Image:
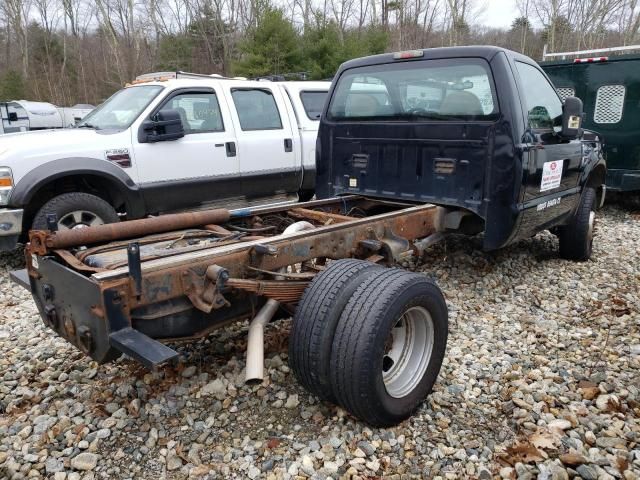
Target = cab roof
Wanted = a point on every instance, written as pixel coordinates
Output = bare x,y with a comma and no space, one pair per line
482,51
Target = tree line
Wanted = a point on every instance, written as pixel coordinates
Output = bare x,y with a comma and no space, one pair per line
81,51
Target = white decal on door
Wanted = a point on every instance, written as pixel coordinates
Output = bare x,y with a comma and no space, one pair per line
551,175
549,203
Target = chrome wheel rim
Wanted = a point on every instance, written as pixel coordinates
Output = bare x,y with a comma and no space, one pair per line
79,219
408,352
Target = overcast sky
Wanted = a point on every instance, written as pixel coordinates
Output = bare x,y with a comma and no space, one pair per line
497,13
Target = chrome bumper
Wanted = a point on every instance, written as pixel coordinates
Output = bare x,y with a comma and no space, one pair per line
10,228
10,221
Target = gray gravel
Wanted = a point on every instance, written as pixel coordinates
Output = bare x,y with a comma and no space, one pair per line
541,380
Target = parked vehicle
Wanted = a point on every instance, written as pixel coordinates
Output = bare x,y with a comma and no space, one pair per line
24,116
478,131
487,143
163,144
607,81
71,116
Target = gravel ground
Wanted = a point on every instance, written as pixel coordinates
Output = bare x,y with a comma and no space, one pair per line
541,380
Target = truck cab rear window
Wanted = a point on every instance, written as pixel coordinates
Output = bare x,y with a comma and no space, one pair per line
446,90
313,103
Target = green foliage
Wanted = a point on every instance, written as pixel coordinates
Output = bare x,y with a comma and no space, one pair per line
175,52
369,41
520,23
324,50
12,86
562,27
45,48
271,47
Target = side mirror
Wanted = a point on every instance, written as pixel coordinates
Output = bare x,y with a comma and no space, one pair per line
572,113
13,116
164,126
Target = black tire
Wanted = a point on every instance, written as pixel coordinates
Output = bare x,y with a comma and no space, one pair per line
361,340
576,238
65,204
315,321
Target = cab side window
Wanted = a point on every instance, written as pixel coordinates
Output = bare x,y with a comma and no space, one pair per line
257,109
543,104
200,112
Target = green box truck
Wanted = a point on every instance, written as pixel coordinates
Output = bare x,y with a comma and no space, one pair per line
608,82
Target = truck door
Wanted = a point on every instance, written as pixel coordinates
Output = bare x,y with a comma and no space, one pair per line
200,167
552,164
266,147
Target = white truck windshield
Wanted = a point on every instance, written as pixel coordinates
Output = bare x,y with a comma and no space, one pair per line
121,109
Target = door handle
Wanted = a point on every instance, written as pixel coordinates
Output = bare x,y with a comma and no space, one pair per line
231,149
288,145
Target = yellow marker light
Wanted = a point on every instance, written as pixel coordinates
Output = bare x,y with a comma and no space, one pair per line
6,182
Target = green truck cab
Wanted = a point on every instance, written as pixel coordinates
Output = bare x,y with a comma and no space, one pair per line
608,82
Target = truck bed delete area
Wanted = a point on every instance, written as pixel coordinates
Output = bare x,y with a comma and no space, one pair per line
181,276
541,372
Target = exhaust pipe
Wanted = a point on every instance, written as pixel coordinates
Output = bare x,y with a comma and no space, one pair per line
254,372
255,342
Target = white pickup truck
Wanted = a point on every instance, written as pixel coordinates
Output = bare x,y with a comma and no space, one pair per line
168,142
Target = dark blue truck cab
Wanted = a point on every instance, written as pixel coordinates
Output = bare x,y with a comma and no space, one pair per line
480,131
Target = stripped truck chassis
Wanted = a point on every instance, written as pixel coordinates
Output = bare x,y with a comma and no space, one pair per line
137,307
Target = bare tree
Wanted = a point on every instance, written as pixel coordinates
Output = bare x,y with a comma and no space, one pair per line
590,20
629,21
524,9
458,11
17,14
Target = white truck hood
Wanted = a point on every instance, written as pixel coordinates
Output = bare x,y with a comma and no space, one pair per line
26,150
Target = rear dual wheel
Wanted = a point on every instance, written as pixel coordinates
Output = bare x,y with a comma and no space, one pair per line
316,319
387,345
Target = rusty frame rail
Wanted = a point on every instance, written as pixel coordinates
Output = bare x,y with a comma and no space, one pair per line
200,290
387,235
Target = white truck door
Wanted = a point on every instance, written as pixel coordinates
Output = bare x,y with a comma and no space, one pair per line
200,167
268,146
